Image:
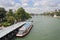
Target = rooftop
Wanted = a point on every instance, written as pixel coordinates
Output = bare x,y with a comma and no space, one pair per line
5,31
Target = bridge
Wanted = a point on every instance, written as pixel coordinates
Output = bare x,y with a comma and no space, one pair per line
9,32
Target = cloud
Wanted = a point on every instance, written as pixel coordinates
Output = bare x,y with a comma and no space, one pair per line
15,7
24,1
47,5
24,4
44,3
32,6
36,4
7,3
33,10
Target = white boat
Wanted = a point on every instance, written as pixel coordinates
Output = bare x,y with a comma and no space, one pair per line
55,16
24,30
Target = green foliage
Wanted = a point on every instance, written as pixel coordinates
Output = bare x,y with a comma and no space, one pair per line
57,12
21,14
20,11
10,16
27,16
2,14
0,24
52,14
5,24
17,17
10,19
10,13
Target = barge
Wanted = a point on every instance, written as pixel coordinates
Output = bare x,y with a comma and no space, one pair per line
25,29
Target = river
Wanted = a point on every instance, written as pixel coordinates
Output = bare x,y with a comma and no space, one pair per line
45,28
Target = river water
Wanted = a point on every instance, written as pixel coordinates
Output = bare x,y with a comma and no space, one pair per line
45,28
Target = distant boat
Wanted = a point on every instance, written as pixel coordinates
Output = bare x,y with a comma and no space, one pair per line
24,30
55,16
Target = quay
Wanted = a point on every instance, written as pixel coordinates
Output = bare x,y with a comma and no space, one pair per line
11,31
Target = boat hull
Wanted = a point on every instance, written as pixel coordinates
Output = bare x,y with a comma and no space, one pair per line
28,30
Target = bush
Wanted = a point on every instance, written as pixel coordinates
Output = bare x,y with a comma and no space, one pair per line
0,24
5,24
10,19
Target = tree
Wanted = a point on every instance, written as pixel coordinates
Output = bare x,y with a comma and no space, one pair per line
11,19
10,13
2,14
10,16
21,12
58,13
27,15
17,17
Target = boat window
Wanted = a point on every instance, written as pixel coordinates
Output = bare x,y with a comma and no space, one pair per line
20,31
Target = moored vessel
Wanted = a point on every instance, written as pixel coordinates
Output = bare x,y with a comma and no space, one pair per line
25,29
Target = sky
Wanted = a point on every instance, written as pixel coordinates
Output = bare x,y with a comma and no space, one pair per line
31,6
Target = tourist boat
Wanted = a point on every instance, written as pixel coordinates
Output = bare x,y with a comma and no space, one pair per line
56,16
25,29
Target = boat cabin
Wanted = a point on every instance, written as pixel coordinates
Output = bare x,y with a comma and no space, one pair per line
24,28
